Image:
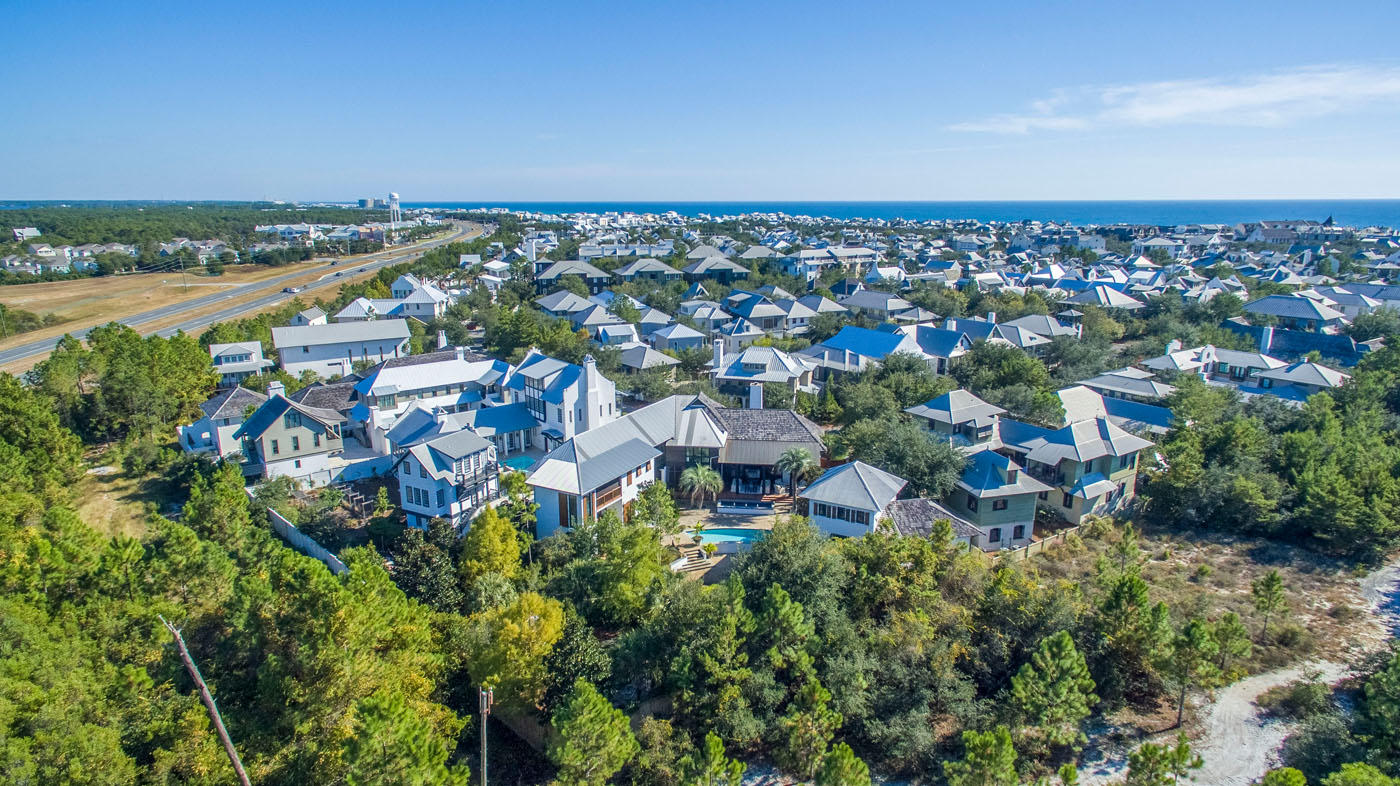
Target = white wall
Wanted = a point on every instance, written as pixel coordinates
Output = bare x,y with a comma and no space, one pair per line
332,359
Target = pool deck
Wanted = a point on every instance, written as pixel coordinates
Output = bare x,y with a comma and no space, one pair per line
711,570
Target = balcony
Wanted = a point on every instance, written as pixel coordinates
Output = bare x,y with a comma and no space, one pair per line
607,495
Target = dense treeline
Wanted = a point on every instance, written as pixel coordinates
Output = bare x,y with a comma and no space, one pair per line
154,223
1324,474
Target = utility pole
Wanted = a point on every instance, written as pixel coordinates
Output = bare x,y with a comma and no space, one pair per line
485,698
183,281
209,702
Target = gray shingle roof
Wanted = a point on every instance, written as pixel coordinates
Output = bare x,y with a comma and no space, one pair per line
855,485
916,517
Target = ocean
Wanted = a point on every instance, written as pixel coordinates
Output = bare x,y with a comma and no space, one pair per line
1349,212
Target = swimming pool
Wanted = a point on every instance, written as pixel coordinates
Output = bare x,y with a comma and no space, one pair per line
731,535
521,463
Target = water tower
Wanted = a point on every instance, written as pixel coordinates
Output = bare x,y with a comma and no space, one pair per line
395,214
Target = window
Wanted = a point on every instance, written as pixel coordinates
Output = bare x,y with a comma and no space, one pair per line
442,498
998,504
971,502
296,442
1068,501
274,447
1043,495
1126,461
316,440
995,535
422,470
305,350
1018,532
407,467
297,463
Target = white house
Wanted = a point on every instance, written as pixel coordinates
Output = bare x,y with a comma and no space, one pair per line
330,350
451,477
238,361
849,499
566,399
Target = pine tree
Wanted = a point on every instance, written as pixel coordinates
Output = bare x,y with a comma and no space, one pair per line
989,759
784,623
841,767
593,739
1191,660
1269,598
1232,641
1054,691
712,767
809,726
390,744
1161,765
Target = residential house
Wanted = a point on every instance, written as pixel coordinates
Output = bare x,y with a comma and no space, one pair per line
1132,384
717,268
735,374
1106,297
878,305
607,467
452,477
238,361
453,379
995,495
311,316
849,499
335,349
563,304
595,279
959,417
566,399
223,416
647,269
1092,464
1293,312
286,439
1297,381
676,337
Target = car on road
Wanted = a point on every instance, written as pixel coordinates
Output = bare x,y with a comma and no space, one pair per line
361,270
291,290
341,273
335,262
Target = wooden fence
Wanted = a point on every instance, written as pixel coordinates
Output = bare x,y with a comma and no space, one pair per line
1034,547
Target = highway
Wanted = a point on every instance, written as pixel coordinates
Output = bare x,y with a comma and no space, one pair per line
240,300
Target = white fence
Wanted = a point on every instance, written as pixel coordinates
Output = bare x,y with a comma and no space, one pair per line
303,542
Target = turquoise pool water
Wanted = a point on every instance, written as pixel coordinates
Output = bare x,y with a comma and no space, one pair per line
731,535
521,463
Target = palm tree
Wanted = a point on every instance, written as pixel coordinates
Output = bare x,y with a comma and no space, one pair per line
701,481
798,464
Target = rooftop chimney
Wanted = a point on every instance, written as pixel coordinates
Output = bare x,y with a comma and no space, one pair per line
719,354
275,389
442,339
755,395
992,317
461,353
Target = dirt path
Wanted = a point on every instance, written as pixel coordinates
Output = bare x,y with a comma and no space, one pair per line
1237,743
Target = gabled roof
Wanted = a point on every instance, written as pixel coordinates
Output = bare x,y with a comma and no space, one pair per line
1307,373
864,342
1079,441
678,331
231,403
957,406
1105,297
855,485
570,267
340,333
937,342
1292,307
714,264
985,477
641,356
645,265
562,301
275,407
876,300
916,517
775,366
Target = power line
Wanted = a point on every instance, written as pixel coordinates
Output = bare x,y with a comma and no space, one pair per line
208,701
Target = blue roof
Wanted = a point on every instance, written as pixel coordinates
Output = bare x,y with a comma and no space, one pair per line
981,473
864,342
510,417
1136,411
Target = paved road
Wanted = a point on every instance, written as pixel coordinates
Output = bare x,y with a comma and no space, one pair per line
240,300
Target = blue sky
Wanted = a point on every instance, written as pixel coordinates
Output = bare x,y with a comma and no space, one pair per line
658,101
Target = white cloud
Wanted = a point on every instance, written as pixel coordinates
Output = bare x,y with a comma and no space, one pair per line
1266,99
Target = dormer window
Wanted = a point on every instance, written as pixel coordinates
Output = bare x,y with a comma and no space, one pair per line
1011,476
